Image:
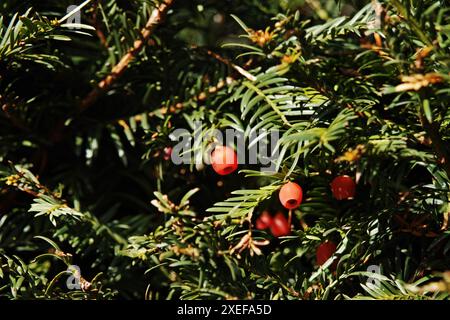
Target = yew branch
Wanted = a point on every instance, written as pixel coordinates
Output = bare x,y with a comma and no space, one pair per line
118,70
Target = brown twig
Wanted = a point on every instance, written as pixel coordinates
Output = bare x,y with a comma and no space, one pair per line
98,28
118,70
176,107
239,69
199,97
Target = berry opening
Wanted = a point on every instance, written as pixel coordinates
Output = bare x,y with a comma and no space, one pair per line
292,202
228,169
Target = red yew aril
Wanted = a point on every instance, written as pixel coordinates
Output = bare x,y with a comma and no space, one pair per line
280,225
343,187
291,195
324,252
264,221
224,160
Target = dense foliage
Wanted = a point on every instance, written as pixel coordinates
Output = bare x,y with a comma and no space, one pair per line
357,88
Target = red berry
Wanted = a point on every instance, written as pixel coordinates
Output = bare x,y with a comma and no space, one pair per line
167,153
264,221
280,225
291,195
343,187
224,160
324,252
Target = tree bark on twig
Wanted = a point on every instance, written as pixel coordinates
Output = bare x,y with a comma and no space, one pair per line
227,62
117,71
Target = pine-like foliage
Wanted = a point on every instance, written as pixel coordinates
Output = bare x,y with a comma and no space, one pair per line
89,108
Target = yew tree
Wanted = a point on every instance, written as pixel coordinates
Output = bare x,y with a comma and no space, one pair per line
351,201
